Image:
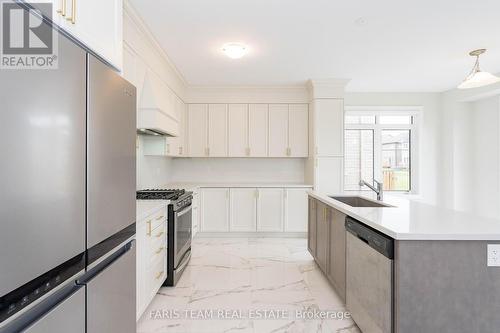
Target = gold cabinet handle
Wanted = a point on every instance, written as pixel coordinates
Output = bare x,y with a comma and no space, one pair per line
159,234
159,250
72,18
159,275
62,11
149,227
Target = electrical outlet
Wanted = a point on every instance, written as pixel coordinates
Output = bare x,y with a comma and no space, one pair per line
494,255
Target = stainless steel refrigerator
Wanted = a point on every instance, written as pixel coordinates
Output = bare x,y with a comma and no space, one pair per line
67,197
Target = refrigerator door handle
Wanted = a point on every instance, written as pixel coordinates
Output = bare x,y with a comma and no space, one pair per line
105,262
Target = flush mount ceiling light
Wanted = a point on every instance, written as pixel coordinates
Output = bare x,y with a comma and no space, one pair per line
477,78
235,50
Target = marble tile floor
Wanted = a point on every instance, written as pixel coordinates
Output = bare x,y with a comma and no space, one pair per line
248,285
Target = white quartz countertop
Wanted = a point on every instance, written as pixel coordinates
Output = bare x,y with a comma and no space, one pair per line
190,186
148,207
413,220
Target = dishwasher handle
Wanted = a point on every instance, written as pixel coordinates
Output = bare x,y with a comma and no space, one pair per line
373,238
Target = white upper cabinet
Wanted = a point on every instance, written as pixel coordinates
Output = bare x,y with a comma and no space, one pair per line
197,130
270,209
97,24
217,130
250,130
296,209
298,130
215,209
258,124
329,127
176,144
243,209
238,130
278,130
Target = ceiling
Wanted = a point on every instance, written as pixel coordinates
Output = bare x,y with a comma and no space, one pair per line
385,45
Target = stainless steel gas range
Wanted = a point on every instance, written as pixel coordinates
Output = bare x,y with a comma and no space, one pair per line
179,229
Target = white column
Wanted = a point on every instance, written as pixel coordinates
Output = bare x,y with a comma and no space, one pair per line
324,167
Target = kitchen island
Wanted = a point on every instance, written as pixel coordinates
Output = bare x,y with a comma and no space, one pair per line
437,278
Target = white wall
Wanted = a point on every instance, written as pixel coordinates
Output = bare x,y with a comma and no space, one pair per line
470,163
429,123
485,156
152,171
142,54
239,170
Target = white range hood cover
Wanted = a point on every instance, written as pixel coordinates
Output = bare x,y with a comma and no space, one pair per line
157,108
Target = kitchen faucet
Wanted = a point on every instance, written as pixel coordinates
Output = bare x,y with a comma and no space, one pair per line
378,188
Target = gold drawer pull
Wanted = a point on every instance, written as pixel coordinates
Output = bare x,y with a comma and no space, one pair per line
159,275
159,250
160,233
72,18
160,217
62,11
149,227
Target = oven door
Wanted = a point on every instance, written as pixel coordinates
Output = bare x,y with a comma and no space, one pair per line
182,233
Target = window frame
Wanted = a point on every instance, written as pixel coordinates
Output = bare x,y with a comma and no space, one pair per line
377,111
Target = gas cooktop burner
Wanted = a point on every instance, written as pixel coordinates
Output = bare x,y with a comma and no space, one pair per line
159,194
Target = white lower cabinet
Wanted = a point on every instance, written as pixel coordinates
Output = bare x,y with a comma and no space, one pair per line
270,214
151,259
296,210
243,209
215,209
251,209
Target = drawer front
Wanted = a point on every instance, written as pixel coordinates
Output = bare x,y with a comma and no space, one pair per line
157,246
158,219
154,221
156,274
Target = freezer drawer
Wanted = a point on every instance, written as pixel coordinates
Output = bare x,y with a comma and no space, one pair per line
111,152
111,296
68,316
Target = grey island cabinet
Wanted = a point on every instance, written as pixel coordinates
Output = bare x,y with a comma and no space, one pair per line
437,279
326,242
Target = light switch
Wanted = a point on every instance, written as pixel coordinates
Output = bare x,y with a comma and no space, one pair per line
494,255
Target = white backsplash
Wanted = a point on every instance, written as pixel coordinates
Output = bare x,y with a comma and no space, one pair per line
237,170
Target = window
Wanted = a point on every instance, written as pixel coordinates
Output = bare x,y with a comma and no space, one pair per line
396,160
379,145
358,157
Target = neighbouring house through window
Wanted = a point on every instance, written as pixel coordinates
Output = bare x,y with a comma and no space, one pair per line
380,144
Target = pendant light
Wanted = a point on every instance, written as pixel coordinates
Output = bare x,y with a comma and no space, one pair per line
477,78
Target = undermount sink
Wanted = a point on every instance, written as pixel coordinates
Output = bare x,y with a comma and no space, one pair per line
359,202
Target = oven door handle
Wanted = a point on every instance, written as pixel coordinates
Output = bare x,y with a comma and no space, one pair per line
184,211
184,261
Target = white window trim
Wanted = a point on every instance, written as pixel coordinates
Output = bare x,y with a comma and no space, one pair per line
414,111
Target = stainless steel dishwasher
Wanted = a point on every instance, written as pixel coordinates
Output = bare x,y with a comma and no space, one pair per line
369,277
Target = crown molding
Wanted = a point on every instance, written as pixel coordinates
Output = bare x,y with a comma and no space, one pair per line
248,94
327,88
139,22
